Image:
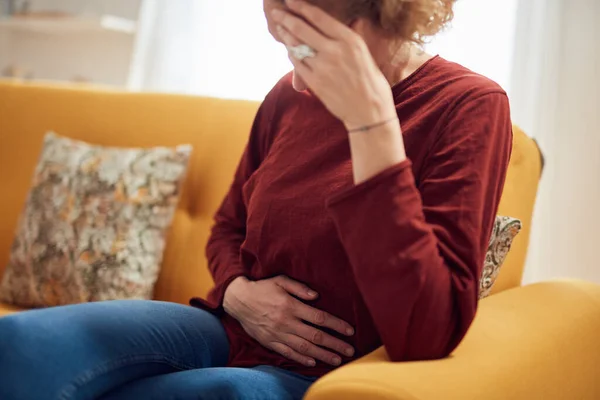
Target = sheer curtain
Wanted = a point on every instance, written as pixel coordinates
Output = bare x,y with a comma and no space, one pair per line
206,47
481,37
223,48
556,98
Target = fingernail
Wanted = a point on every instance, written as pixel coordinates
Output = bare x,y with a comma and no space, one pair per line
349,352
336,361
349,331
312,293
311,363
279,30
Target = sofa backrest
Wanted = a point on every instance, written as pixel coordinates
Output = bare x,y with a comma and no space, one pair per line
518,200
218,130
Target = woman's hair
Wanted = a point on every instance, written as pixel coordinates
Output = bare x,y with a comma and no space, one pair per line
407,20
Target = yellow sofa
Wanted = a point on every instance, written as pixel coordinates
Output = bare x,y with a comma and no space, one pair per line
536,342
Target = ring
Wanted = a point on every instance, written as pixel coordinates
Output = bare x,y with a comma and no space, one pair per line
302,51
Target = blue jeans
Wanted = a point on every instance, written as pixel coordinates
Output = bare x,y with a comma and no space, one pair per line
129,350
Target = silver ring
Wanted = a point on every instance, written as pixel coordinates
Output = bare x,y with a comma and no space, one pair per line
302,51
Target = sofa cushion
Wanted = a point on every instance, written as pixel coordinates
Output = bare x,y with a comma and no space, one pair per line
504,232
94,224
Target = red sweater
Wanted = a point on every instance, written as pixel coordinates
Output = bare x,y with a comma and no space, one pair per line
399,256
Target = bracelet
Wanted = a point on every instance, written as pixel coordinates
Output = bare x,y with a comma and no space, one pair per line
367,128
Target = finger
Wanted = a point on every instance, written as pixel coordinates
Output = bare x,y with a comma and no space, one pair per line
296,288
325,23
300,29
293,355
306,348
290,40
322,339
304,68
286,37
322,318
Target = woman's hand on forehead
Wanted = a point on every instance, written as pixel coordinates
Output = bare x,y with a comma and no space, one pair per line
340,69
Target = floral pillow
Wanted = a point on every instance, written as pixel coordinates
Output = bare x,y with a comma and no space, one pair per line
503,234
94,224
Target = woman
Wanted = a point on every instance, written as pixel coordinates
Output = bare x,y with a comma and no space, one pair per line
358,217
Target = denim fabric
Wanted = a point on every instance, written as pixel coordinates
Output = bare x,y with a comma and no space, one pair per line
129,350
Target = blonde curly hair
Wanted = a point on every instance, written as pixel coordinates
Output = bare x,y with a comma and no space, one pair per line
407,20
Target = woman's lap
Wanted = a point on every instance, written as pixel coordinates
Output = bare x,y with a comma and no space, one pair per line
85,351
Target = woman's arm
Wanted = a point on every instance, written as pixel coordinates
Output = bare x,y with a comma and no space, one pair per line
417,251
416,247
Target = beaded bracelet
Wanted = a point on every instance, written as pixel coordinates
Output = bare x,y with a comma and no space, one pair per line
367,128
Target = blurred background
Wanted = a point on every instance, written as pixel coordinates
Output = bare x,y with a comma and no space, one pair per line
545,53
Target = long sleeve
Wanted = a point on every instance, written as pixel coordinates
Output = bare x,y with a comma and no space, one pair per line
229,230
416,241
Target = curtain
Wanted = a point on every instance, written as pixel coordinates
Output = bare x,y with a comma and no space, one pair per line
556,98
206,47
223,49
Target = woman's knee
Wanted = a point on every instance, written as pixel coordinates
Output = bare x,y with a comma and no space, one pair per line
20,355
29,343
50,349
8,333
16,335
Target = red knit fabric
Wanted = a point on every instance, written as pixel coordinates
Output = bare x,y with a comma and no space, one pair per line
398,256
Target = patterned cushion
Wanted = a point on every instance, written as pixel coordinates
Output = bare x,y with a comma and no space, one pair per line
505,230
94,224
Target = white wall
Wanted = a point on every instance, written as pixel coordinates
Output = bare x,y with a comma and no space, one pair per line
121,8
102,57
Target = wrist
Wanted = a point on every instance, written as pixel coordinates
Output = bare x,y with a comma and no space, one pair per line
374,113
376,150
233,291
377,105
374,126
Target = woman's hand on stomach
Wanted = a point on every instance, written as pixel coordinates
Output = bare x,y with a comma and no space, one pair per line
269,313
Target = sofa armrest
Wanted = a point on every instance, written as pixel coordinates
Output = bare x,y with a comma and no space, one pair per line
535,342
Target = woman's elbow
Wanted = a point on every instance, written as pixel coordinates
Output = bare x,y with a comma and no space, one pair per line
422,353
434,342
